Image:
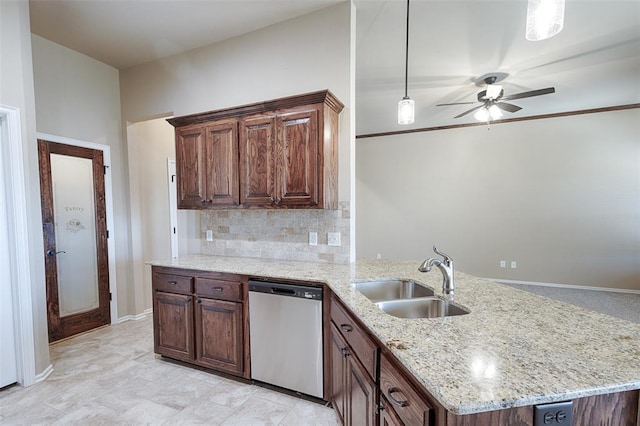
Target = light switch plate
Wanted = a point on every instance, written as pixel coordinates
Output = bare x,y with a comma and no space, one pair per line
333,238
313,238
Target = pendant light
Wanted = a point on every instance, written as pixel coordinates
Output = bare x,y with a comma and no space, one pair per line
545,18
406,107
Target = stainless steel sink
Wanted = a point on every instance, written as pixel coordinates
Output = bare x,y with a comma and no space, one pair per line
424,307
381,290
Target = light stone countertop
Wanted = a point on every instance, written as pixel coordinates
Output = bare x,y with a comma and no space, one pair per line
514,348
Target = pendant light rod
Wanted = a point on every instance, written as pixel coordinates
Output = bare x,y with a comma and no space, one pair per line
406,55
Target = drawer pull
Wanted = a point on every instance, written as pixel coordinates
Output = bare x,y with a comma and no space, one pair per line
172,282
346,328
217,288
397,402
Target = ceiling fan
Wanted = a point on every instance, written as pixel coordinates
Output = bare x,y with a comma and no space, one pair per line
492,101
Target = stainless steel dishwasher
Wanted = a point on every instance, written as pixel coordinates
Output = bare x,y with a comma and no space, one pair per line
285,323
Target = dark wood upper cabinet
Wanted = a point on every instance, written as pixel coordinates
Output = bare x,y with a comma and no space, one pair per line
207,165
281,153
257,160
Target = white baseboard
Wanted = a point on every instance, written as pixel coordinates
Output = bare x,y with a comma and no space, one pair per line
567,286
43,376
133,317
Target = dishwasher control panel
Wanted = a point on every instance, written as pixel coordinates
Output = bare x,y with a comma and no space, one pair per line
286,289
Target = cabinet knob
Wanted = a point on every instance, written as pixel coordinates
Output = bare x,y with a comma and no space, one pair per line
398,402
346,328
345,351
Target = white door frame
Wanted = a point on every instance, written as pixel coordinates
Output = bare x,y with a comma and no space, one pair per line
17,214
173,206
108,195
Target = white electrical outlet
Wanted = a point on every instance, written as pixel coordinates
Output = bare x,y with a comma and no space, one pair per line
513,264
503,263
333,238
313,238
209,235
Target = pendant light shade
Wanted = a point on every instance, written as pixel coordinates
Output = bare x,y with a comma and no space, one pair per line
406,111
406,107
545,18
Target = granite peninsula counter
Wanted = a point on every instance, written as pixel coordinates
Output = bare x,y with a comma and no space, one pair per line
514,348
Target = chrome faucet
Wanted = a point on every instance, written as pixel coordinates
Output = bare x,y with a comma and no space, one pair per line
446,267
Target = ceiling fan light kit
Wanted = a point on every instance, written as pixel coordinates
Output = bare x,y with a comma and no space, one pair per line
406,107
492,101
545,18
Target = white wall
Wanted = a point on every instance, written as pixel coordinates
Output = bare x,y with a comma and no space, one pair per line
78,97
560,196
16,90
150,144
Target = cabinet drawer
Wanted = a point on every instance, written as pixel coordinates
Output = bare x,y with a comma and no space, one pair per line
172,283
363,347
219,289
405,400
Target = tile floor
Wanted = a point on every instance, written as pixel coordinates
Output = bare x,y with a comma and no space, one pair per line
112,377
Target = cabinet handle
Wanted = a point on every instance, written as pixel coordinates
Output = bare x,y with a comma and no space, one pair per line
217,288
397,402
345,352
198,301
172,282
346,328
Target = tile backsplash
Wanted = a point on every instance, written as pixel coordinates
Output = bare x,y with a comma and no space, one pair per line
277,234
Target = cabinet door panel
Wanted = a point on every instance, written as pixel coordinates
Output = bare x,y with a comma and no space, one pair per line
257,168
297,159
173,325
361,389
221,159
190,167
337,364
219,336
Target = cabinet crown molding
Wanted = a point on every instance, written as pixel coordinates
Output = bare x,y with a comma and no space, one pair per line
323,96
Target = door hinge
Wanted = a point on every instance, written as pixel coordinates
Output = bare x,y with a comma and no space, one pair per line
173,177
105,169
174,229
107,233
110,297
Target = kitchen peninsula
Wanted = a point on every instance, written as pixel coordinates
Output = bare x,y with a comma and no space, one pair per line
512,352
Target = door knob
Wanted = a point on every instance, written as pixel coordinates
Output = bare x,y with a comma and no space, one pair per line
50,252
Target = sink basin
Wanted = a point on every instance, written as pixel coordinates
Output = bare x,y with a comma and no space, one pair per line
391,289
424,307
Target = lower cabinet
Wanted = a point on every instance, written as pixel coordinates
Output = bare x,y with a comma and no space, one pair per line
388,416
173,325
199,317
353,390
403,400
219,336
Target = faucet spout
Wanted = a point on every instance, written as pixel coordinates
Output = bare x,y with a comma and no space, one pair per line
446,267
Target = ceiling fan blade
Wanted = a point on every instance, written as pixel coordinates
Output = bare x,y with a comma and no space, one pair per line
470,111
508,107
538,92
457,103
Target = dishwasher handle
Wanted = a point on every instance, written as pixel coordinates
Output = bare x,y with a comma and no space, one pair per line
283,291
286,289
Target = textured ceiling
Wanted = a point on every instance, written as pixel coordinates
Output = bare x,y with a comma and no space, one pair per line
594,62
